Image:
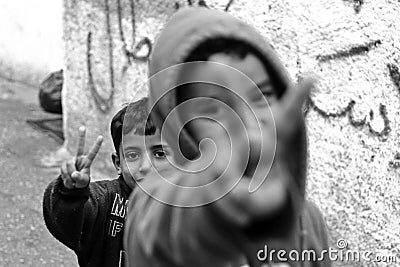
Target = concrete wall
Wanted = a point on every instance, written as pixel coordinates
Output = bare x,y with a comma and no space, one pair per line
30,39
352,116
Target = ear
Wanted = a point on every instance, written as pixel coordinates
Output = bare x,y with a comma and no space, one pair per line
117,162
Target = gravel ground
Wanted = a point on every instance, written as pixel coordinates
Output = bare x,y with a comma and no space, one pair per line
24,239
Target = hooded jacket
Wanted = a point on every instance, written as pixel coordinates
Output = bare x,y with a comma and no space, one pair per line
223,233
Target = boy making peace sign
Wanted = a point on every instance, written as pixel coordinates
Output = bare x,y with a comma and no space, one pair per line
88,217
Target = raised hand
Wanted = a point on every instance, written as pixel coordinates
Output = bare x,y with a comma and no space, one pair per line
267,190
75,172
291,152
288,114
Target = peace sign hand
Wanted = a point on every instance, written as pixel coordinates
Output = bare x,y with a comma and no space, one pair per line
75,172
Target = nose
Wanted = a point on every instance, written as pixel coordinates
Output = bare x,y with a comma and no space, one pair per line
145,165
253,127
249,119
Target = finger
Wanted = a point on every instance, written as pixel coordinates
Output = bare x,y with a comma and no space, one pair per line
70,165
93,151
289,114
67,180
81,180
81,141
231,207
80,163
294,99
68,183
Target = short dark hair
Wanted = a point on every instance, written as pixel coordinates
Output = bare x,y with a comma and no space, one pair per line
229,46
132,117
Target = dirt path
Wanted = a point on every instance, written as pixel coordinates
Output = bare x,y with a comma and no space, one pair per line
24,239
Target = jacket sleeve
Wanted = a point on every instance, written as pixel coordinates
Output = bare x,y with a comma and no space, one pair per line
70,215
215,234
317,231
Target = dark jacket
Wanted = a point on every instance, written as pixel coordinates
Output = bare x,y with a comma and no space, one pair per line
225,232
90,221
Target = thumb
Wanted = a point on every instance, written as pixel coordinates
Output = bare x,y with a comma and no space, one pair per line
290,114
295,97
81,179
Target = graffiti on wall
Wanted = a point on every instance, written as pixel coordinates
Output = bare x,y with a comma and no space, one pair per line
349,109
104,104
356,4
134,53
203,3
394,72
131,54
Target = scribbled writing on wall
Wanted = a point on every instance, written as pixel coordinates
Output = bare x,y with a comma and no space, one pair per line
105,103
190,3
145,42
353,51
134,52
395,163
356,4
394,73
349,109
203,3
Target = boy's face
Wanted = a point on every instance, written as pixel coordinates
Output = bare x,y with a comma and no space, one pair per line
236,97
143,156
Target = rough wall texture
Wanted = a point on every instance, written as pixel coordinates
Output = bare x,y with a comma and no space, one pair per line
352,115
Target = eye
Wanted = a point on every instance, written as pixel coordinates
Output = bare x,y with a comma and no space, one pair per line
160,154
271,97
268,91
268,94
132,155
257,97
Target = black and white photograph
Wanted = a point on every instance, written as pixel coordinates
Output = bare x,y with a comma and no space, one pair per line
200,133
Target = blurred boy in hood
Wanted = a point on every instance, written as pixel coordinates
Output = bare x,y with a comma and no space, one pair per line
234,120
